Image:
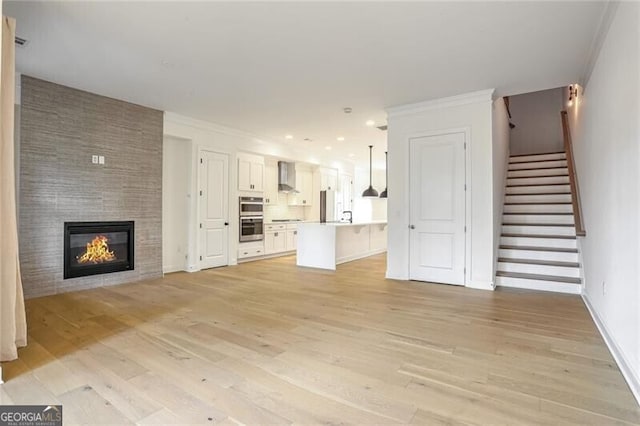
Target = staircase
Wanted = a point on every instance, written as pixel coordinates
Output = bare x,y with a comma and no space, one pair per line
538,247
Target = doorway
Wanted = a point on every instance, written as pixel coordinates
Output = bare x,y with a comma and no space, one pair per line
437,208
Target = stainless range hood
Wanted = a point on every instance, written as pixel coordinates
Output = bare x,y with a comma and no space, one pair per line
286,177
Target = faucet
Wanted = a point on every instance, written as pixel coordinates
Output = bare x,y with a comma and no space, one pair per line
350,215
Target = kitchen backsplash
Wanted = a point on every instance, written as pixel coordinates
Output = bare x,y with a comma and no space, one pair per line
283,211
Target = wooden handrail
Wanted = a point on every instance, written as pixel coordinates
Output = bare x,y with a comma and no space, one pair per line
573,177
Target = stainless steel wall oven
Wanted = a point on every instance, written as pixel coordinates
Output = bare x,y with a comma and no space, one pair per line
251,219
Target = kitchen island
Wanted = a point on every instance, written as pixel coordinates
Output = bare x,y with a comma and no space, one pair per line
325,245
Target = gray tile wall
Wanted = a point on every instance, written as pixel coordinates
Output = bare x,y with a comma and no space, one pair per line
61,128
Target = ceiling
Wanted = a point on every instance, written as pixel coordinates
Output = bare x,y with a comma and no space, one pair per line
273,69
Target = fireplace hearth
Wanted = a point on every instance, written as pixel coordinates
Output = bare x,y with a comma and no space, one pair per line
92,248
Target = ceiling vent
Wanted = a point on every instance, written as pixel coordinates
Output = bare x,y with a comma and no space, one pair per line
383,128
21,42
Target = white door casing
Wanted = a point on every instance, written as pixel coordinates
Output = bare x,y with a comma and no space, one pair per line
437,211
214,209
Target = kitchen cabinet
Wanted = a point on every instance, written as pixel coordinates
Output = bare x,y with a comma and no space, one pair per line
328,179
304,186
279,238
270,184
292,239
251,249
250,173
275,239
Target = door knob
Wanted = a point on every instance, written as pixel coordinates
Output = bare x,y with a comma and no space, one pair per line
226,224
412,227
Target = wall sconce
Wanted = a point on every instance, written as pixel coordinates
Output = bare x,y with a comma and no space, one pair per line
573,93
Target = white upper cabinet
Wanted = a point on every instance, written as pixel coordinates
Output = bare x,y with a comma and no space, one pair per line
270,183
304,186
250,173
328,179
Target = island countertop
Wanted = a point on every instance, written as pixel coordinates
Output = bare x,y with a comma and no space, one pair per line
337,224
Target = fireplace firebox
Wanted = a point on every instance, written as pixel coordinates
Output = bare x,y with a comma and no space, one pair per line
92,248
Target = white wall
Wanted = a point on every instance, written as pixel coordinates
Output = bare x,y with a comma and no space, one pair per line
176,173
473,112
538,124
366,209
500,158
606,134
197,135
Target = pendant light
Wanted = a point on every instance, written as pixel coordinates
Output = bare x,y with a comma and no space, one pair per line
370,192
383,194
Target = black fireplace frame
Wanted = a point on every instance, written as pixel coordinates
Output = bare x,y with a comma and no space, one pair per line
71,228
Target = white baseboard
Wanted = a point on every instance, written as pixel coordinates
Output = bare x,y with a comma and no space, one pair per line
394,276
625,367
481,285
360,256
172,268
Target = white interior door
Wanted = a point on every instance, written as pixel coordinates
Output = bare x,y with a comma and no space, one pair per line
214,209
437,208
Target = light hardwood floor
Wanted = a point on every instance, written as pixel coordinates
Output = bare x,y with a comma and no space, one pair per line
268,343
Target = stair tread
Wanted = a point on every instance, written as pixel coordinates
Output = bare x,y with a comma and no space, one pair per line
531,155
536,177
537,168
537,184
539,262
534,203
529,194
537,161
553,237
538,224
540,213
538,248
539,277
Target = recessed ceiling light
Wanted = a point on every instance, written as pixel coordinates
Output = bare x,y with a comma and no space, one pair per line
370,123
328,148
307,140
288,137
340,138
352,155
347,110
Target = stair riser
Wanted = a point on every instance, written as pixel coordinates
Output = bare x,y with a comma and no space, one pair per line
556,287
538,180
538,165
538,157
537,189
539,255
537,172
537,218
557,271
544,230
532,198
538,242
538,208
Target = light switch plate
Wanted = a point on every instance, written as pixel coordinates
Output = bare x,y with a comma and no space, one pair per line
94,159
101,159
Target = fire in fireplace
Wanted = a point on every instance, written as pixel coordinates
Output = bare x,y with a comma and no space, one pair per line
92,248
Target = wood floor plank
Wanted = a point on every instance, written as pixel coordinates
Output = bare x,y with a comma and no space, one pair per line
267,342
84,406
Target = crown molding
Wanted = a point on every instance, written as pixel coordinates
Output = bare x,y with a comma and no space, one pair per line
608,14
448,102
174,118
